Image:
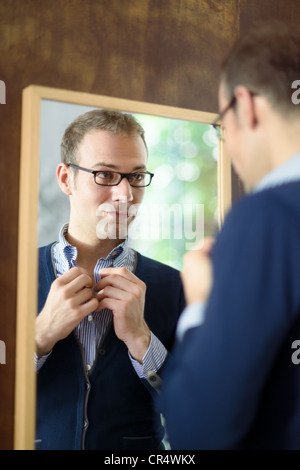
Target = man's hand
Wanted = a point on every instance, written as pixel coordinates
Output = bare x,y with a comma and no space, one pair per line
197,273
70,299
122,292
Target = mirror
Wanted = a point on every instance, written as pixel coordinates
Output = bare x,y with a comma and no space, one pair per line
176,138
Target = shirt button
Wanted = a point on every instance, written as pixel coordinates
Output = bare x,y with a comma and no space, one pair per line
90,318
88,367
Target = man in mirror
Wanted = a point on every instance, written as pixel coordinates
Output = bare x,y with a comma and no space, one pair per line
107,315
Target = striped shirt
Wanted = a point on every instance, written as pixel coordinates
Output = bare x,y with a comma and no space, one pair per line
92,328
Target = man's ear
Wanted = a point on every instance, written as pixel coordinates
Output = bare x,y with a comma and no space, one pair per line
64,178
246,106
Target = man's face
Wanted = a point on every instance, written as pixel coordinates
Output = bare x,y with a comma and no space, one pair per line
96,208
244,136
230,129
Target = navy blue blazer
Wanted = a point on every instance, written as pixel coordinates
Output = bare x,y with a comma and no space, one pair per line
234,381
112,408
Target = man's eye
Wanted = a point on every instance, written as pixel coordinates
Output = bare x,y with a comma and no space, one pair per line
105,175
137,177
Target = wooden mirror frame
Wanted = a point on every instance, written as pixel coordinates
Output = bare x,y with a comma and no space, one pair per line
27,280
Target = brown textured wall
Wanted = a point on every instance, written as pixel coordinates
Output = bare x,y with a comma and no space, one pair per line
166,52
255,12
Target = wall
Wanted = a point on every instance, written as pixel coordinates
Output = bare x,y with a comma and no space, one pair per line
166,52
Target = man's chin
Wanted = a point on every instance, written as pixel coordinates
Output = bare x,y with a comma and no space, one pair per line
116,229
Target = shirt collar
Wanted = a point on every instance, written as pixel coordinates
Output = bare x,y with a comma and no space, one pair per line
285,173
69,253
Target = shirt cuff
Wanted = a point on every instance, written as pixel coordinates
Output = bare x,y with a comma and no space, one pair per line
192,316
152,360
40,361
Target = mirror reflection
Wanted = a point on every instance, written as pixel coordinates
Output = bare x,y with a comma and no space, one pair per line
186,200
107,309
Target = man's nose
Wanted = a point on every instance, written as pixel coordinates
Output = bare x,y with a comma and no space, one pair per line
123,190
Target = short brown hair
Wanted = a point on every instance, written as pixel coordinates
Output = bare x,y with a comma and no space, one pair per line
115,122
267,61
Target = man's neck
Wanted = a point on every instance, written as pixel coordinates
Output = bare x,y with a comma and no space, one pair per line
283,137
88,253
280,141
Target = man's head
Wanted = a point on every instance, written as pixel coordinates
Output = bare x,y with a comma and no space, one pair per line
256,83
104,146
266,61
114,122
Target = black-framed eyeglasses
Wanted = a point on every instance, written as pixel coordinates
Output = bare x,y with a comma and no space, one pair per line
216,124
230,105
137,179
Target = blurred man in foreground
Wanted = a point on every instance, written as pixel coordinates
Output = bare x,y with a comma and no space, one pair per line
234,381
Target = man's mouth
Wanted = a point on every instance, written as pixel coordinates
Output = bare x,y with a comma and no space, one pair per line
120,212
118,215
112,212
